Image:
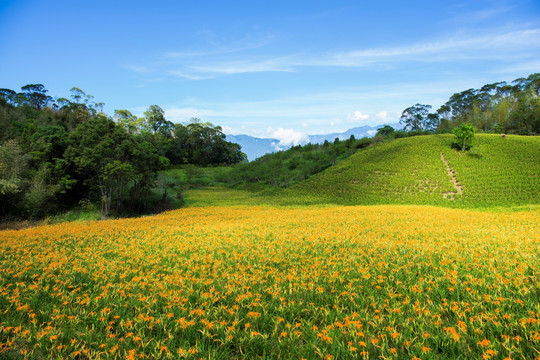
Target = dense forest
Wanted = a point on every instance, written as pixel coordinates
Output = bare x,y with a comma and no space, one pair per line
499,107
59,153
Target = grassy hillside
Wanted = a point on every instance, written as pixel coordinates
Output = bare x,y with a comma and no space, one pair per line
422,170
285,168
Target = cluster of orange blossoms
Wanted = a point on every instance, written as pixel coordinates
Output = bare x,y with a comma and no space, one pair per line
398,282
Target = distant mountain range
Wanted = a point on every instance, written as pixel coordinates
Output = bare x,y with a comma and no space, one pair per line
255,147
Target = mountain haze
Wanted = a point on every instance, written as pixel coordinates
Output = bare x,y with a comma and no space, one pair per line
255,147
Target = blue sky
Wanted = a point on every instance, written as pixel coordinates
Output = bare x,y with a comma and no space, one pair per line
272,69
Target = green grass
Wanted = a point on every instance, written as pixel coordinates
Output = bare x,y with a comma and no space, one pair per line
499,172
247,194
496,172
191,176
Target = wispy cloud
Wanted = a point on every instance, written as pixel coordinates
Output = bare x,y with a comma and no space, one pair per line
280,64
477,16
220,50
517,46
189,76
496,46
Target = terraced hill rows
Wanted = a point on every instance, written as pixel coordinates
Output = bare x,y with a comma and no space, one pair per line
427,170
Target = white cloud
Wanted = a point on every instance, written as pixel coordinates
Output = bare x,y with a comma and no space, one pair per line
276,146
468,17
227,130
357,116
371,132
189,76
219,46
382,116
287,137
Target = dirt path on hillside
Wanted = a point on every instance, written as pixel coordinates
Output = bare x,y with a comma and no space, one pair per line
452,174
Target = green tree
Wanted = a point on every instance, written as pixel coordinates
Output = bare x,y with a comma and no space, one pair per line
155,119
116,165
130,122
202,144
499,115
36,95
464,135
416,118
460,104
386,131
77,94
525,115
8,96
14,165
100,152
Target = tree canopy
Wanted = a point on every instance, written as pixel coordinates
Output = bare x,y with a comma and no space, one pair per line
498,107
55,153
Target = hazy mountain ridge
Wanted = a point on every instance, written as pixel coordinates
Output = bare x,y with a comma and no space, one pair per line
255,147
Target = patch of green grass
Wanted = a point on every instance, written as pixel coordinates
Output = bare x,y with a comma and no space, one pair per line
191,176
73,215
246,194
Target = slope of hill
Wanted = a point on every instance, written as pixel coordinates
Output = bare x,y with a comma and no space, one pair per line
427,170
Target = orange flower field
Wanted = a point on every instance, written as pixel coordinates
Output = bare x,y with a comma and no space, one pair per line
379,282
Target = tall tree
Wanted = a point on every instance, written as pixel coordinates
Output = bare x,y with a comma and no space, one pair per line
8,96
36,95
13,179
416,118
130,122
100,152
77,95
155,118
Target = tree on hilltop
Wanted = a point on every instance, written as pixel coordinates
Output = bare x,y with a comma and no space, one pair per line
464,134
417,118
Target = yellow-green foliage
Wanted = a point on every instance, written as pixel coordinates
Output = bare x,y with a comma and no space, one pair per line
496,172
392,282
499,171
